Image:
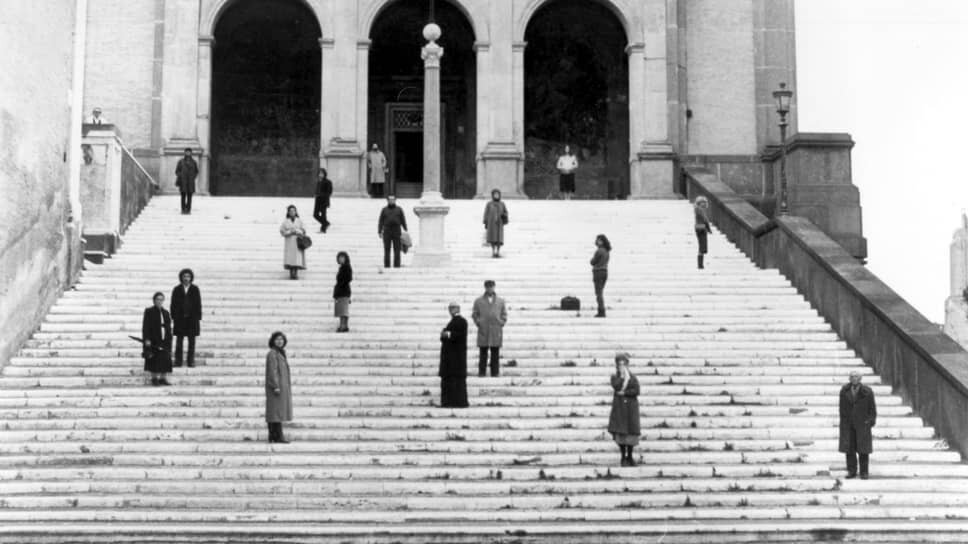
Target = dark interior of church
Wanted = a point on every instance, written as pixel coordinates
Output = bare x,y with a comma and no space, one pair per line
576,92
265,99
396,96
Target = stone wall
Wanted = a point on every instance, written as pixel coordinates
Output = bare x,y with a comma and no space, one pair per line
926,367
38,243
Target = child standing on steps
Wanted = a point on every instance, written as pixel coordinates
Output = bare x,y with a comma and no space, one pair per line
701,209
623,422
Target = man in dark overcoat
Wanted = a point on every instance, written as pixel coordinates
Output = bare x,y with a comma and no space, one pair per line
858,415
186,312
453,360
185,173
324,190
392,220
490,314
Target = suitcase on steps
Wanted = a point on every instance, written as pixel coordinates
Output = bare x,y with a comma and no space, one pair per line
570,303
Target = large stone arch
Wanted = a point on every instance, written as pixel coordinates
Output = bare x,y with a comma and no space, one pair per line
473,10
623,10
212,10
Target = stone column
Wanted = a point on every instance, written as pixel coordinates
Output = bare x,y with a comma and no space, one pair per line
431,209
204,116
339,150
179,107
956,307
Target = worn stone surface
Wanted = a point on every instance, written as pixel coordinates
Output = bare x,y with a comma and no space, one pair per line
36,243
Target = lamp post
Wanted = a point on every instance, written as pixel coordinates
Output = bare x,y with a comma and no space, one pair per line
782,97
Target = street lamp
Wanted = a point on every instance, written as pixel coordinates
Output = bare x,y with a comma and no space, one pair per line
782,97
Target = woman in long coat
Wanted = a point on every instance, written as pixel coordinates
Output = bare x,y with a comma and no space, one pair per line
453,360
342,291
623,422
294,259
278,388
495,217
156,338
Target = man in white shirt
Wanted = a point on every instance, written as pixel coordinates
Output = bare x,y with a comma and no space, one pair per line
567,164
95,118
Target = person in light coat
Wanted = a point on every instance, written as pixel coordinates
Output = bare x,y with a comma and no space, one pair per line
495,217
623,421
293,258
858,415
278,388
490,314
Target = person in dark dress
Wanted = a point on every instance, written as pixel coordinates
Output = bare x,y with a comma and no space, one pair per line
324,190
453,360
392,220
342,291
278,388
185,173
701,208
186,312
623,422
599,264
495,217
858,415
156,339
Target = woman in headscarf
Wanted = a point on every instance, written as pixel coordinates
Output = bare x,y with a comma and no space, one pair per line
701,208
495,217
278,388
623,422
342,292
294,259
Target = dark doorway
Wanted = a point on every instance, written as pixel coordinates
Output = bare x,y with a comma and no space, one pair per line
265,99
395,116
576,93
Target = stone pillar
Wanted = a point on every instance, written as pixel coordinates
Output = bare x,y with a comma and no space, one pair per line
432,210
100,188
956,307
179,107
339,150
204,117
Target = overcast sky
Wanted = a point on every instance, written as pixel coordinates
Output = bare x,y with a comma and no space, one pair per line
893,74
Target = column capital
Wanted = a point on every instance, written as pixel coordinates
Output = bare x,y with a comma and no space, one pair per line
327,43
431,54
482,47
636,48
206,40
518,47
364,44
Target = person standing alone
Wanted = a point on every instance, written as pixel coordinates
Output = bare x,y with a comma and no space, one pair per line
701,209
566,165
490,314
324,190
599,262
495,217
376,163
392,220
186,312
858,415
185,173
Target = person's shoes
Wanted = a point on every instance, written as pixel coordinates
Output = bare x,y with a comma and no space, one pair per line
281,439
481,375
864,476
191,365
322,229
625,462
177,364
154,381
631,462
600,314
851,475
163,381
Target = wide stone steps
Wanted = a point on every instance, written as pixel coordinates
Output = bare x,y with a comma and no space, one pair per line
739,380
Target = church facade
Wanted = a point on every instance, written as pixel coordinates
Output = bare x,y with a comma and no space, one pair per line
266,90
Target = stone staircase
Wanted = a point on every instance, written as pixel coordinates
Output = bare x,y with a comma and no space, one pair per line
739,395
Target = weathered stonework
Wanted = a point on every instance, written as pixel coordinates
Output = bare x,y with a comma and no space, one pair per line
39,241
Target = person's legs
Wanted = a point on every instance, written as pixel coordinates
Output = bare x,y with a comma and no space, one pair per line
386,251
188,203
851,465
319,214
182,199
495,361
701,238
482,362
631,458
280,438
851,452
864,465
396,252
178,350
599,277
191,351
272,432
624,451
325,220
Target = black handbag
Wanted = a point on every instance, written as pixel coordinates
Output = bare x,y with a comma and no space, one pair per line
570,303
303,242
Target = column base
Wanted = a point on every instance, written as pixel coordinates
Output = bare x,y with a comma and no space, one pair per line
500,167
432,211
653,174
343,161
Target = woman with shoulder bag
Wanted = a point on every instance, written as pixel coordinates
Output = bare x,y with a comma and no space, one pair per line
294,256
342,292
495,217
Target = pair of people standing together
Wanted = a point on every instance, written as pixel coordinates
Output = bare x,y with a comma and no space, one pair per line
157,329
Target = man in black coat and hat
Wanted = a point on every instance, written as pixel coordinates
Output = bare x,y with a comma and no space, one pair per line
185,173
858,415
453,360
186,312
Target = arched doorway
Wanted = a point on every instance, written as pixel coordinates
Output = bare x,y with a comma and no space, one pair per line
265,99
576,92
395,114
